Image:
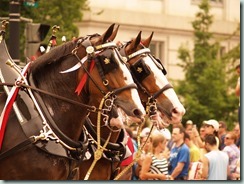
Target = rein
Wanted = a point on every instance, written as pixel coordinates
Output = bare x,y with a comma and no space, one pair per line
90,108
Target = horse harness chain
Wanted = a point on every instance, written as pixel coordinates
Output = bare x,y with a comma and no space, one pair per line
47,133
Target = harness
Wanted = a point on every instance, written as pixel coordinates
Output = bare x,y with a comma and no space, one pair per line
42,130
101,147
139,72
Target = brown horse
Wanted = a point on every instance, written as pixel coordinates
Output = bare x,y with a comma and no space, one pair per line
158,95
42,138
161,103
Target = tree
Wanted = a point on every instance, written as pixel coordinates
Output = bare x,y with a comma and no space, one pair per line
52,12
206,89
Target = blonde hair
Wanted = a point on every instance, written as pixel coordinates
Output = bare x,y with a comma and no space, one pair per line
156,139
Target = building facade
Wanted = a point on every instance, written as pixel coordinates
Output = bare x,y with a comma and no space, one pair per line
170,20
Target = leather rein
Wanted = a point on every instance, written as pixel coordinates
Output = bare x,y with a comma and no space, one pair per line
23,84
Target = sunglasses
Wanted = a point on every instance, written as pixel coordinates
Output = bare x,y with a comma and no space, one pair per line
227,138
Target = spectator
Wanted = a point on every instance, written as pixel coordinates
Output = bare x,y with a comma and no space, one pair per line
237,132
233,152
221,134
215,162
194,150
236,174
155,165
202,132
238,90
179,155
194,158
189,127
211,127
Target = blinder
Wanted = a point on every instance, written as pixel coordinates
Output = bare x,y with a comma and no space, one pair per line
108,60
140,70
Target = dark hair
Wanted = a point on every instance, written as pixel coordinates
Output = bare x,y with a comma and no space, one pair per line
210,139
187,136
223,124
181,127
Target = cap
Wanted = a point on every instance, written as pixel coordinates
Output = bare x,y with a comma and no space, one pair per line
189,122
166,133
212,122
145,132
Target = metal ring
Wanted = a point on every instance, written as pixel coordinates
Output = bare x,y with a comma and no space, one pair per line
105,82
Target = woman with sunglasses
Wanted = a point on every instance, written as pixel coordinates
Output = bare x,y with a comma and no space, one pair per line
233,152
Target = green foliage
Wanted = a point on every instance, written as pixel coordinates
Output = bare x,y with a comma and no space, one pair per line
52,12
207,85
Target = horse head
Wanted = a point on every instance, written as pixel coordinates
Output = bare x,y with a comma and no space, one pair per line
115,78
162,103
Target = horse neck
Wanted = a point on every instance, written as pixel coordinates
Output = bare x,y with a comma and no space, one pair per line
67,116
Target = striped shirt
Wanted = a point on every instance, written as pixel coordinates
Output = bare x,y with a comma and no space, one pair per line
159,166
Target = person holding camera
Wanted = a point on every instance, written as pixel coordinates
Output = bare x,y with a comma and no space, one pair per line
179,155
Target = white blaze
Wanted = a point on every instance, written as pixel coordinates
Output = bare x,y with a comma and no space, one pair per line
134,92
161,81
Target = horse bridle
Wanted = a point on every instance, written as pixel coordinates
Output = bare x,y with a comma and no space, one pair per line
107,102
92,53
151,104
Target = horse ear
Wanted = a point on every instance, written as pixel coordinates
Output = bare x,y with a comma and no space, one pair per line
105,36
112,37
147,42
135,42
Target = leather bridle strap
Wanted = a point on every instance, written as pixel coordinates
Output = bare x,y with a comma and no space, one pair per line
133,85
91,108
167,86
17,148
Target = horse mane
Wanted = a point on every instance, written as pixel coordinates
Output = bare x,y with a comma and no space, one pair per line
54,56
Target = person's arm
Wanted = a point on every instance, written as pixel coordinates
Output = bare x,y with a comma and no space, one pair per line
145,174
196,138
177,169
205,167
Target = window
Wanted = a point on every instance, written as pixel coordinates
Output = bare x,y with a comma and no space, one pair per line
157,49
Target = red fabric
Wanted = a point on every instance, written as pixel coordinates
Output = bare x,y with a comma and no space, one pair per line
128,160
8,107
54,42
83,79
6,115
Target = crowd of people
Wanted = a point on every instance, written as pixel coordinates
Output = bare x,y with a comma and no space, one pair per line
210,152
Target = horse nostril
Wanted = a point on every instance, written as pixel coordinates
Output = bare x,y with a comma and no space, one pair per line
180,111
137,113
174,111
